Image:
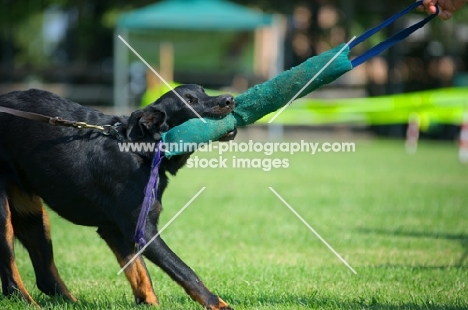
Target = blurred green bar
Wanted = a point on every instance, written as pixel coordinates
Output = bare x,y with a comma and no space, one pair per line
446,106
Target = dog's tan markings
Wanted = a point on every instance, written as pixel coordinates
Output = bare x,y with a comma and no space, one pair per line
140,282
158,207
23,202
61,287
37,241
15,276
222,305
135,272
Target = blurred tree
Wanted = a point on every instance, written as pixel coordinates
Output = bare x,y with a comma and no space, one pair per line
89,36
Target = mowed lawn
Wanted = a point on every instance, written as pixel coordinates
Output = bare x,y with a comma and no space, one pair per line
401,221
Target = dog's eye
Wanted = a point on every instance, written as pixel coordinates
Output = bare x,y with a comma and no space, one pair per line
191,99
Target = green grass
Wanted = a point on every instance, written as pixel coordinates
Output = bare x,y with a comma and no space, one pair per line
400,221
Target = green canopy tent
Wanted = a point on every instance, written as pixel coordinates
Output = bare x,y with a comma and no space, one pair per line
216,24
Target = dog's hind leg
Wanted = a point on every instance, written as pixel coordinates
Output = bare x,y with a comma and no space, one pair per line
31,226
136,272
11,280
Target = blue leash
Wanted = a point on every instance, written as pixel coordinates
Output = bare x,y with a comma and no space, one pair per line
399,36
151,194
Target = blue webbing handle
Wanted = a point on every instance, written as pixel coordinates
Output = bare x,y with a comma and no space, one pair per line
399,36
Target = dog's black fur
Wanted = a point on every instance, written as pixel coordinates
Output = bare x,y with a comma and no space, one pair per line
82,175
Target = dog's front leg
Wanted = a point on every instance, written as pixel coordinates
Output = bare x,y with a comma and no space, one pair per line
136,272
160,254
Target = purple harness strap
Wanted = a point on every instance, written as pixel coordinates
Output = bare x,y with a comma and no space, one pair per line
151,192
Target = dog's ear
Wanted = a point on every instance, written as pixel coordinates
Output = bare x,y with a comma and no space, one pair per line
149,122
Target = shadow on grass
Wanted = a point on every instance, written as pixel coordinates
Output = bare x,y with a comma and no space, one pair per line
462,238
314,301
283,301
93,302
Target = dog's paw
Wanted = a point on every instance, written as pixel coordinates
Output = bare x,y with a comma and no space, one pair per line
151,300
222,305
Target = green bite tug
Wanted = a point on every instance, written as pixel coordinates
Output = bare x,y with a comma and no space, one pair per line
265,98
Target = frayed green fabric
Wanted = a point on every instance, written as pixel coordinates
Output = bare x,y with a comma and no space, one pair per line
263,99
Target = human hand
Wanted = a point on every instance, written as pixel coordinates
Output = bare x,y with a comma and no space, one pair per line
446,7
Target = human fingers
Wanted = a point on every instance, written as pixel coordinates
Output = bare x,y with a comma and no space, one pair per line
444,14
429,6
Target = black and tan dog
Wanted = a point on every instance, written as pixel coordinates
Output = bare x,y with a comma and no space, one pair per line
82,175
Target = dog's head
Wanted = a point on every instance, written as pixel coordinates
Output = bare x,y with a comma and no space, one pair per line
173,109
